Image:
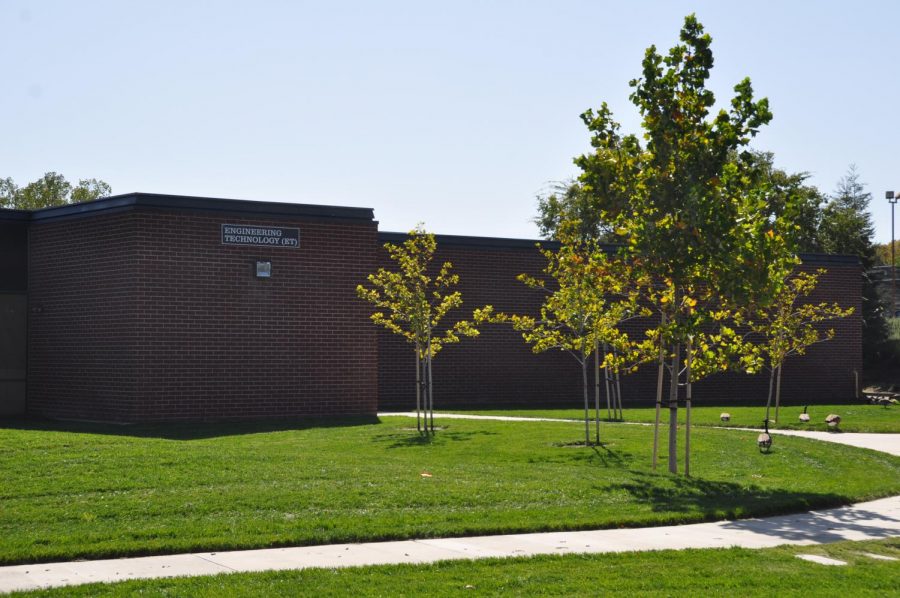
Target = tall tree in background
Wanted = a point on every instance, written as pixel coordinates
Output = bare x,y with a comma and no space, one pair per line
790,198
409,302
685,205
50,190
569,202
847,229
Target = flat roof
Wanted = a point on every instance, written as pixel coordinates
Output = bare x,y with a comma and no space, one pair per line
7,215
186,203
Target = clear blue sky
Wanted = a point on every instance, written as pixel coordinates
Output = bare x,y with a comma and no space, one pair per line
452,113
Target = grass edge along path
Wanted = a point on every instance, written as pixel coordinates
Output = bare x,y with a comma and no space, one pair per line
729,571
855,417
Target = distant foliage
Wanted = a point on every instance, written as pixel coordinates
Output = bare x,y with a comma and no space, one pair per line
883,254
50,190
569,202
847,228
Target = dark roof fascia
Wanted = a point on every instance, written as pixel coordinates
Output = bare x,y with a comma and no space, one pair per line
503,243
481,242
824,259
209,205
7,215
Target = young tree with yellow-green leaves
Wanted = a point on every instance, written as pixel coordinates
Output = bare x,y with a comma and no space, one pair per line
587,296
788,326
409,302
689,213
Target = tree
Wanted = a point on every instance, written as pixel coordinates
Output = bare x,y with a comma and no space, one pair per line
847,229
788,327
883,254
569,202
50,190
411,303
789,197
686,204
588,296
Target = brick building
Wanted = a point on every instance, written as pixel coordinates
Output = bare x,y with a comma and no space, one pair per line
148,307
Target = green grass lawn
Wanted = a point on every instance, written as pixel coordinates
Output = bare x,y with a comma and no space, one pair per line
718,572
858,417
88,491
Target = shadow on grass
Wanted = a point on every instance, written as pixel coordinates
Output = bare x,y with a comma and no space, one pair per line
717,499
186,430
576,452
410,438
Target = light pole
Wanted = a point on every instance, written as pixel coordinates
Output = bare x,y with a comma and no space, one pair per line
889,195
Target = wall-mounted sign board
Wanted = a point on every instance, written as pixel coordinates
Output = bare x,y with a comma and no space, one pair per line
260,236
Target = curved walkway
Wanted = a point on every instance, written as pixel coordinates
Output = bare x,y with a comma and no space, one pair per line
864,521
885,443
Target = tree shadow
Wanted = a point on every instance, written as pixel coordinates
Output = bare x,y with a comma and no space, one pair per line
717,499
576,452
411,438
822,526
607,457
187,430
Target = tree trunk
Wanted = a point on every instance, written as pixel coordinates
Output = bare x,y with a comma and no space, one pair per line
430,388
618,382
619,396
659,386
673,410
687,407
609,403
769,400
587,416
777,393
418,388
597,388
611,412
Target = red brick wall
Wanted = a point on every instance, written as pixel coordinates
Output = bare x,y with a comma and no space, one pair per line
149,317
82,329
498,369
143,315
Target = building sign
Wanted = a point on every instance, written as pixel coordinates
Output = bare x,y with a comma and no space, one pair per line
260,236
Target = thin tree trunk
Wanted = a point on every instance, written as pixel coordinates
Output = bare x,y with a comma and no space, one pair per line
777,393
609,403
617,378
769,400
587,416
610,396
673,410
659,386
619,396
597,388
687,406
430,388
418,388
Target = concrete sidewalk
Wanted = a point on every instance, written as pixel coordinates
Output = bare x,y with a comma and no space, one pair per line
863,521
